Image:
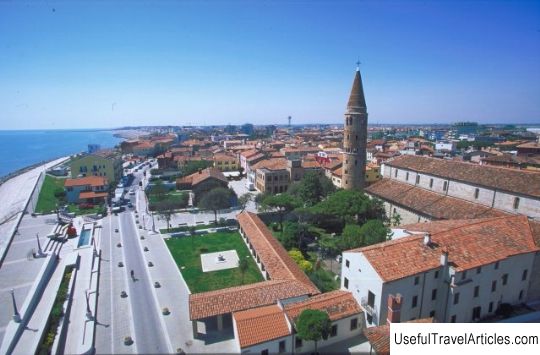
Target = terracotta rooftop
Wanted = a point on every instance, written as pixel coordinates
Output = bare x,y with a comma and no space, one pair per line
92,194
526,183
271,164
276,260
469,245
261,324
202,175
379,337
234,299
429,203
88,180
337,304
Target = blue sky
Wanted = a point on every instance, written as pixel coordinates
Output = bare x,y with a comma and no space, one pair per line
109,64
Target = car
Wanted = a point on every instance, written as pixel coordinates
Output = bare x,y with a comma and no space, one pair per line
132,192
130,205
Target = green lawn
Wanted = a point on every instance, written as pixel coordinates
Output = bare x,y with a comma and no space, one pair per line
46,200
171,195
186,252
80,211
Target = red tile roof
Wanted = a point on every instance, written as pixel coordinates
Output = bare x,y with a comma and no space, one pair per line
517,181
234,299
204,174
469,245
92,194
429,203
337,304
88,180
276,260
271,164
261,324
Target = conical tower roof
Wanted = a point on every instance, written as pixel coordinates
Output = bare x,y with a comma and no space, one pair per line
357,99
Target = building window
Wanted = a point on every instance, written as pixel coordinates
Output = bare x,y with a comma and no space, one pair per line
445,186
430,183
478,269
496,265
476,192
354,323
417,179
453,319
333,330
434,294
476,312
490,307
436,274
505,279
347,263
282,346
264,352
416,280
456,298
476,291
297,342
407,176
432,314
524,275
346,283
494,286
464,275
516,203
520,295
414,301
395,173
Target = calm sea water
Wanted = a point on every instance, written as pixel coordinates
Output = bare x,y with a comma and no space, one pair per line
19,149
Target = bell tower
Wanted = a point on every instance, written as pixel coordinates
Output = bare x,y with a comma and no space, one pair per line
355,137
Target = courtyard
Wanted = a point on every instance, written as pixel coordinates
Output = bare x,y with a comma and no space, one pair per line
186,252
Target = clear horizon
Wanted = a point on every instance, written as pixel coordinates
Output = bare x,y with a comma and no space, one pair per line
112,64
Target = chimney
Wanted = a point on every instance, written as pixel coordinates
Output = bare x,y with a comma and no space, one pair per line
427,239
394,308
444,257
200,171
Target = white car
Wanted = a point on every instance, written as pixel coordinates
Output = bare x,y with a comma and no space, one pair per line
132,192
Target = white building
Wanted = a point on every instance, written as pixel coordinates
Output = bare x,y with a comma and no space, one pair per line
455,271
421,188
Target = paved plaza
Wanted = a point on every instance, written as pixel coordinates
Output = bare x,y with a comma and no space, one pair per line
220,260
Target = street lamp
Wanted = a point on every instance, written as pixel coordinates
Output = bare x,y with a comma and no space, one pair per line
40,252
16,315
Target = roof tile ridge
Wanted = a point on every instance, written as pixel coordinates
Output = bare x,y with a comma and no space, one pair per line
250,214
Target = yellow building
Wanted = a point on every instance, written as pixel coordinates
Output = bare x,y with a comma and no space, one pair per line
225,162
373,173
104,163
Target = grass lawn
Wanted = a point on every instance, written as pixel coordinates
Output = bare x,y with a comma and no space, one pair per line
80,211
186,252
171,195
46,200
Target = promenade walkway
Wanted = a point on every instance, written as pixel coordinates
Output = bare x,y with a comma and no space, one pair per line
15,194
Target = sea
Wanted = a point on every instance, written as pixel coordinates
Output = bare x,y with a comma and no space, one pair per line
19,149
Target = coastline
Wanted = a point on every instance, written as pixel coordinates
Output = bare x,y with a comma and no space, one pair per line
5,178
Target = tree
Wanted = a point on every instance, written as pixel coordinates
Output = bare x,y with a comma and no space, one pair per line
241,171
313,325
158,190
165,209
216,199
351,237
243,267
283,203
243,200
312,188
374,231
395,220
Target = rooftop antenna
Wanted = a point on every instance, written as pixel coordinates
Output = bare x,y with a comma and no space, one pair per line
289,118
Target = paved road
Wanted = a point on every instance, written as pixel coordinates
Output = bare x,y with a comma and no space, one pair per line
149,334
